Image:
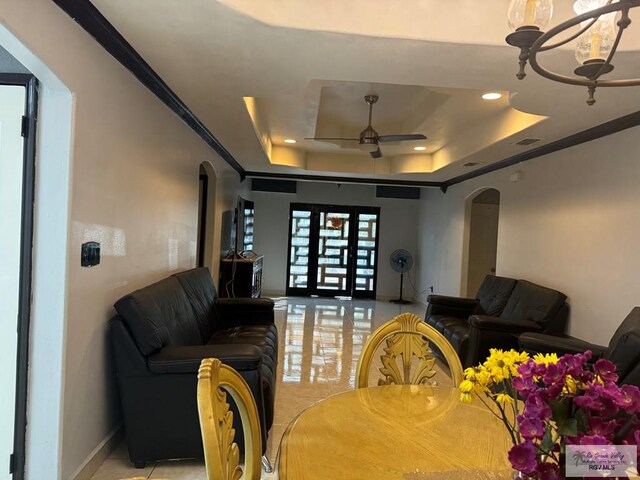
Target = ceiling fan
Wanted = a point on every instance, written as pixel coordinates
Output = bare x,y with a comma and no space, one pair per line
369,138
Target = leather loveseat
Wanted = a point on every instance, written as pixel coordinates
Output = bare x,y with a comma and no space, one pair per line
160,335
502,310
623,349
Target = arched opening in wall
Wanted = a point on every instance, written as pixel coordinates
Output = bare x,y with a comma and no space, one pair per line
481,239
206,215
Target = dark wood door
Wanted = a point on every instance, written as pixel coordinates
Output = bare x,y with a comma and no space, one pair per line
332,250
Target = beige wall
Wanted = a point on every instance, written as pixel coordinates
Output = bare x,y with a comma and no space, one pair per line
397,221
133,187
572,223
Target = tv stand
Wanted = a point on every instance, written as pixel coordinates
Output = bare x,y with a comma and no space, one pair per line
241,276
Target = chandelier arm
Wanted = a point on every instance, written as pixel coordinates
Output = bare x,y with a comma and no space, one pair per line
540,43
572,37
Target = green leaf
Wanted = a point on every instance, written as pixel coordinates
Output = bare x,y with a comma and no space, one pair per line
568,427
583,420
547,440
559,410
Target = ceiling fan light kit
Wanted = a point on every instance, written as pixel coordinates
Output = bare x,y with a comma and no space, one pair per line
369,139
598,35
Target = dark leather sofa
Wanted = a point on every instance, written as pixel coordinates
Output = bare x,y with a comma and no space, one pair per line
623,349
502,310
160,334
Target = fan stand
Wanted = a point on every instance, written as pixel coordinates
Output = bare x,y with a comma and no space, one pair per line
401,300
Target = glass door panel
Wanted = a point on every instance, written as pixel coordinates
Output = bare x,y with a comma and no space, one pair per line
334,253
366,253
299,249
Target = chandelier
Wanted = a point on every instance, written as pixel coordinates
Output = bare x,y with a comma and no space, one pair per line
600,25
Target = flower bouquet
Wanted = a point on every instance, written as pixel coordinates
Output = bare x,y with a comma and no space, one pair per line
547,403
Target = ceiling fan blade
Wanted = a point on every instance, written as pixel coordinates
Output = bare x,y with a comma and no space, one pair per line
400,138
331,138
376,154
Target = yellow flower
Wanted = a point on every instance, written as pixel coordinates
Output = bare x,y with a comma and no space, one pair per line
466,397
504,399
470,373
466,386
484,378
547,358
570,385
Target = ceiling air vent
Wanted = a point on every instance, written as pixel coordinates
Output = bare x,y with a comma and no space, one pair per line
470,164
527,141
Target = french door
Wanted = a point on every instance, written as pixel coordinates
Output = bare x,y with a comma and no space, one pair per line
333,250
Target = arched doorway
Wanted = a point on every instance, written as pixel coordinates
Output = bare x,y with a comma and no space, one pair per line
481,239
206,216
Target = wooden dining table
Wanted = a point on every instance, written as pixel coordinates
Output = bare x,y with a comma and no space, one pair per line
403,432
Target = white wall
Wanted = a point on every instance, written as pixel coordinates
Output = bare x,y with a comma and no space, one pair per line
133,186
572,223
12,103
398,229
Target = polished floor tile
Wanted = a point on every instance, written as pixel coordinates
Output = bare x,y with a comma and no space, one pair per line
320,341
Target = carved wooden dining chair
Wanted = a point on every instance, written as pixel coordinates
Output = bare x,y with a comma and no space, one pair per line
221,454
409,337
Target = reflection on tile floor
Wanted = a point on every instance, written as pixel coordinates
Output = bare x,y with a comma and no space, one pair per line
320,342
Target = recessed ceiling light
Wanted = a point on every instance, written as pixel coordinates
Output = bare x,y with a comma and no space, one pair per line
492,96
289,140
419,149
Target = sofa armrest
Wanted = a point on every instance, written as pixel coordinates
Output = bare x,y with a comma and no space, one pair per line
485,322
541,343
234,312
451,306
187,359
487,332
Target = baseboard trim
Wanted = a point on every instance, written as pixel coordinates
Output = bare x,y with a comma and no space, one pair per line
272,293
99,454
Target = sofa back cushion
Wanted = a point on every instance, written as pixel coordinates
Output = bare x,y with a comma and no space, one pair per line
493,294
529,301
160,315
624,348
198,286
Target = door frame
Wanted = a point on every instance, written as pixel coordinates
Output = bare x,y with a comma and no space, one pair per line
17,460
311,288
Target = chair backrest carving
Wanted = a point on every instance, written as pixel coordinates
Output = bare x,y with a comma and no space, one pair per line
221,453
406,336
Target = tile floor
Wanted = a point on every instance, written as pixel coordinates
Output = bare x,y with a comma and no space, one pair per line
320,342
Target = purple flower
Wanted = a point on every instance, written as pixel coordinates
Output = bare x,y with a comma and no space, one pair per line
536,407
531,428
628,398
523,457
554,374
590,400
523,386
597,426
526,369
605,370
548,471
592,440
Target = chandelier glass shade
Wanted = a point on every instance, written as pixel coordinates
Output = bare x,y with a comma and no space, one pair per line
597,30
